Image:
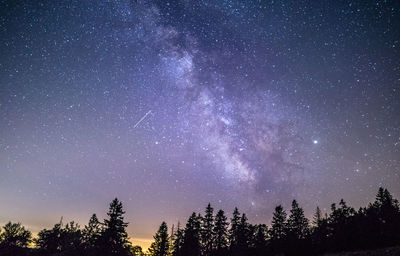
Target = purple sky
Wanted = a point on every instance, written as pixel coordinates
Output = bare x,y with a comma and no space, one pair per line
169,105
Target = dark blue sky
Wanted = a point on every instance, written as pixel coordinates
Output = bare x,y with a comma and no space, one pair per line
249,104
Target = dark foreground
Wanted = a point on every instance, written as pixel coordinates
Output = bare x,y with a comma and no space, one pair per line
390,251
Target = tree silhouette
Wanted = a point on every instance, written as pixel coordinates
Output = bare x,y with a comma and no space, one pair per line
317,218
14,239
244,237
319,231
114,238
297,231
14,234
191,241
207,231
278,229
221,233
278,224
260,240
67,240
297,223
178,241
383,218
48,241
91,235
160,246
234,230
341,226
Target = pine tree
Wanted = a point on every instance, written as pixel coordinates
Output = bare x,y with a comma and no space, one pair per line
385,201
178,241
297,223
260,239
233,232
221,233
207,232
278,224
244,236
341,226
317,218
91,233
171,240
160,246
191,241
340,215
384,219
114,237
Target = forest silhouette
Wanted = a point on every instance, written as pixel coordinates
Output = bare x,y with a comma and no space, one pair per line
290,233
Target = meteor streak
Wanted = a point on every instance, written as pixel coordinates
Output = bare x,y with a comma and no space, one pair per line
141,119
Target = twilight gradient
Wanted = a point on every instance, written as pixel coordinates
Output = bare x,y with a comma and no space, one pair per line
169,105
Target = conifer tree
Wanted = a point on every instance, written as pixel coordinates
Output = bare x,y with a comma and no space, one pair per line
317,218
191,242
207,232
91,233
160,246
297,223
244,236
260,239
114,237
178,241
221,233
278,224
233,232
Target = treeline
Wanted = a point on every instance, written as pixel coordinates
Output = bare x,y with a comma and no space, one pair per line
97,238
344,229
290,233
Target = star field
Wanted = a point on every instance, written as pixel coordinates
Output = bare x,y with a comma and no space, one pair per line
169,105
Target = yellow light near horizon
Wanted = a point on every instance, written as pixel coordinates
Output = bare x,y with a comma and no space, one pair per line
142,242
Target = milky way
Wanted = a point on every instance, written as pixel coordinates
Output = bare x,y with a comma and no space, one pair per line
169,105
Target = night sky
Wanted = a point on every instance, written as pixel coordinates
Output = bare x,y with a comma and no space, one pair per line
169,105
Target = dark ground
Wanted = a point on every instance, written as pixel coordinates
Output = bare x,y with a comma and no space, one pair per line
390,251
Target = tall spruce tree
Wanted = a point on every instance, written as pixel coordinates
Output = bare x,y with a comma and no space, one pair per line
234,230
317,218
207,231
383,217
260,239
297,223
191,241
160,246
178,241
91,233
221,233
278,224
114,238
244,237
